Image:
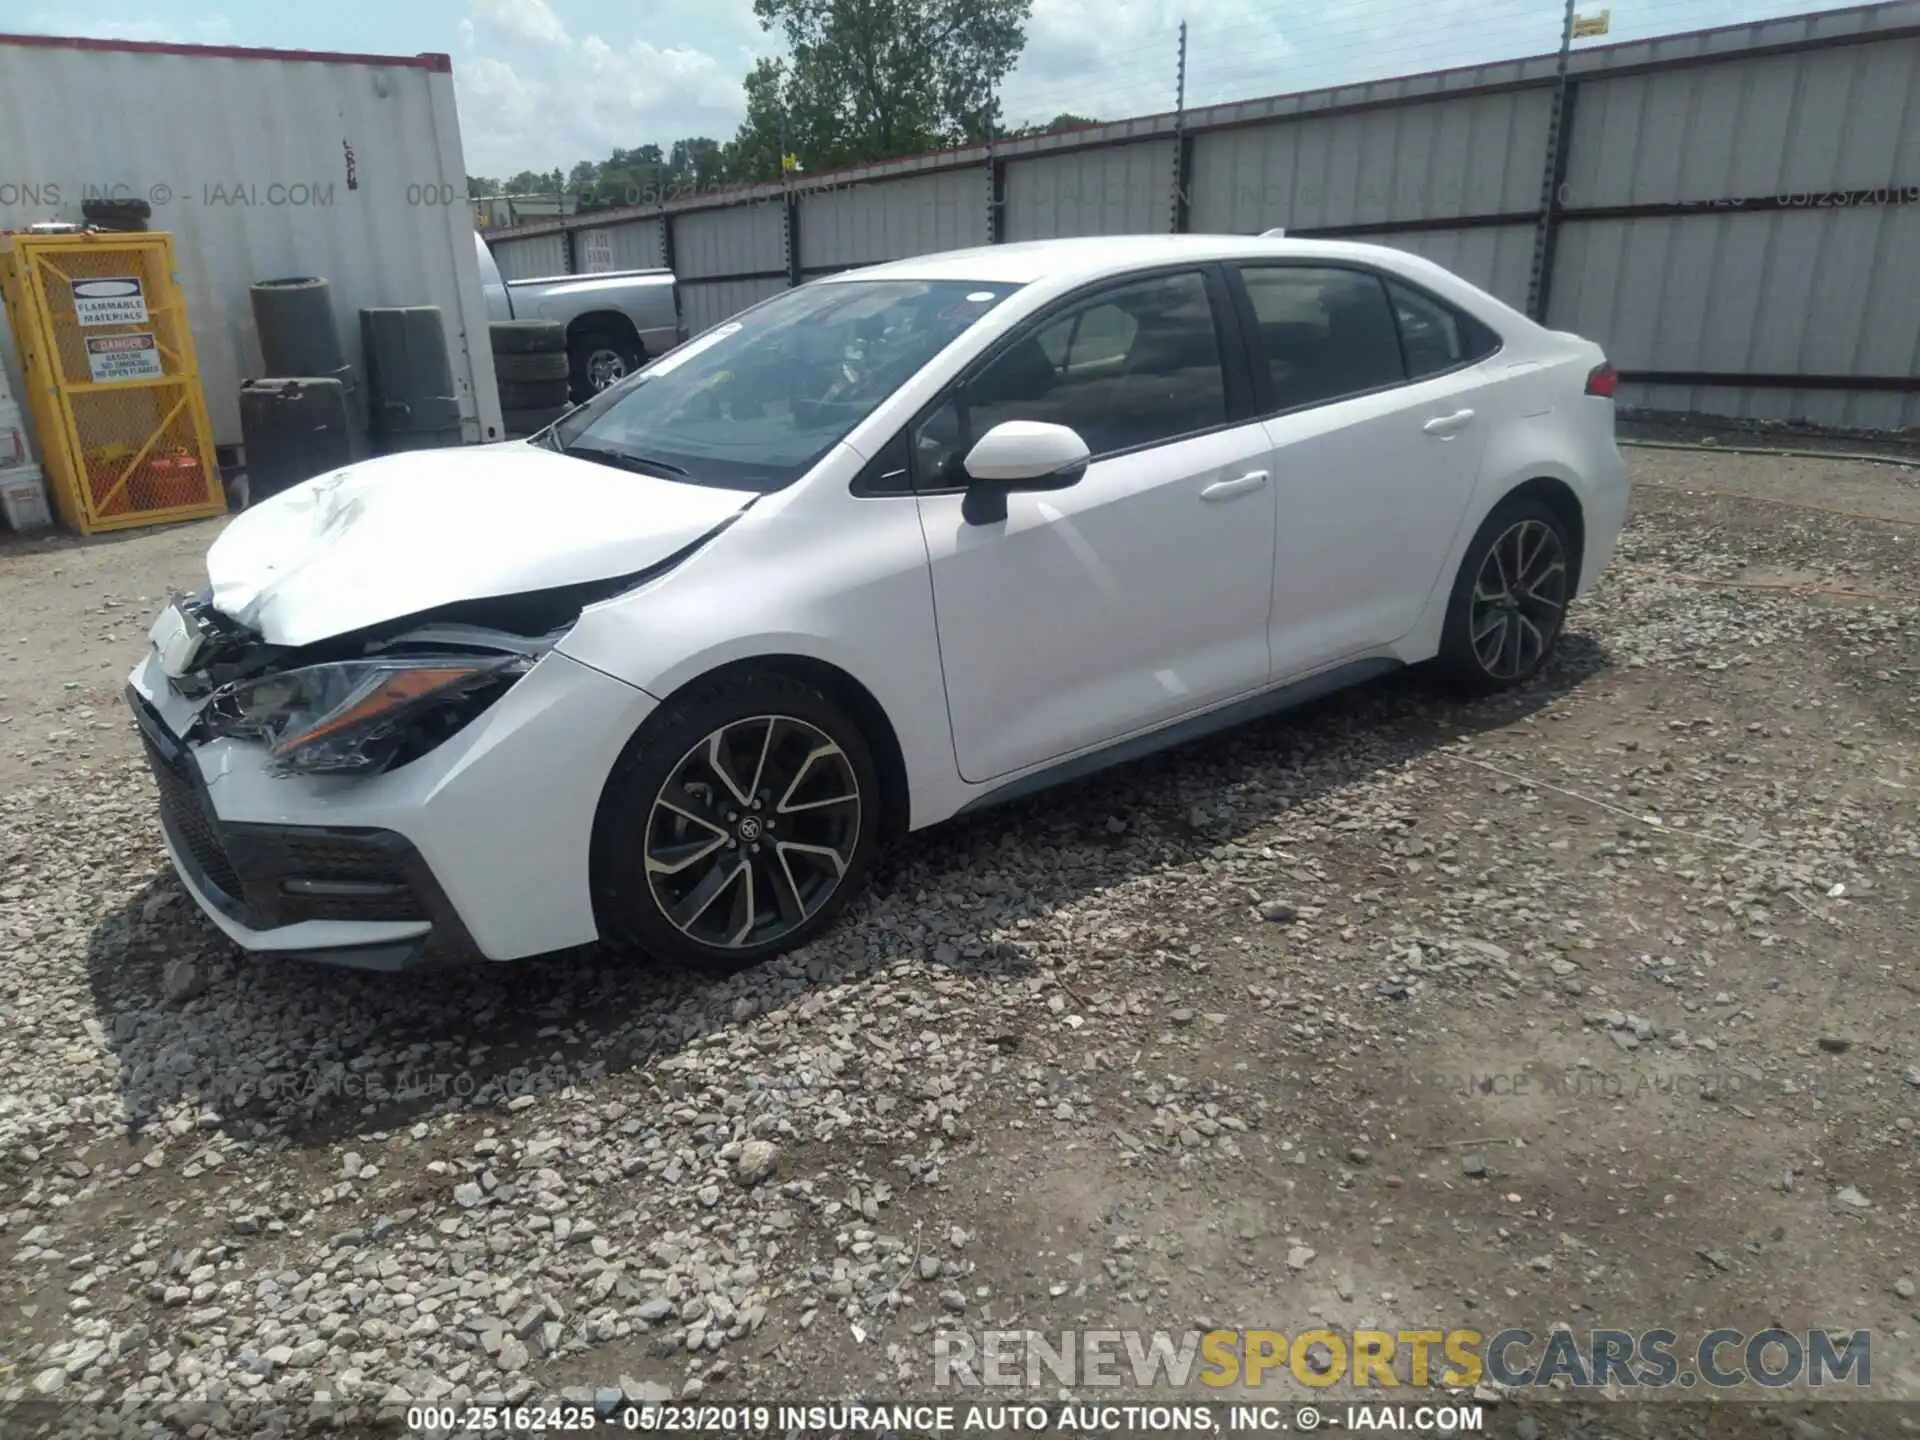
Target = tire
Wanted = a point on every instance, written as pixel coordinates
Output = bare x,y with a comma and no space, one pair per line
541,365
532,394
119,215
527,337
817,761
600,357
520,423
1490,644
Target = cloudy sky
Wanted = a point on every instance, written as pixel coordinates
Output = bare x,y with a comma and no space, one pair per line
543,83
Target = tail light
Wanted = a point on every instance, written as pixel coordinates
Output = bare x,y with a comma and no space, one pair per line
1603,380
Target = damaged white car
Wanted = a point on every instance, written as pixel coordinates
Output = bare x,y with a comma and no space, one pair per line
896,544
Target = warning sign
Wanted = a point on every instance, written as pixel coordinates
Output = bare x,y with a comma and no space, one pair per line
599,256
124,357
110,300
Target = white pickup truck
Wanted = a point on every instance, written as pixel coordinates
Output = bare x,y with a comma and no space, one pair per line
616,320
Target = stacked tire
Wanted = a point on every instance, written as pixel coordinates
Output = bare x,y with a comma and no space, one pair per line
531,368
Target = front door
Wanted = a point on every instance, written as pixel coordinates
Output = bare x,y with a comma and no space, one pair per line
1141,593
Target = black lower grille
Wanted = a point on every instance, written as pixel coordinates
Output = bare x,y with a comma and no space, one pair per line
270,876
183,810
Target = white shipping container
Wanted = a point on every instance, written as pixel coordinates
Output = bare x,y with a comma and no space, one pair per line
262,164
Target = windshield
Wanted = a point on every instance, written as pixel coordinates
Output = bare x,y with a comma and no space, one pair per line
754,403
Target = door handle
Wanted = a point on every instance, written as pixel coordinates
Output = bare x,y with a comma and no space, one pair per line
1227,489
1445,425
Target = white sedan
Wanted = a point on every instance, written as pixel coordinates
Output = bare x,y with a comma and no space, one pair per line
899,543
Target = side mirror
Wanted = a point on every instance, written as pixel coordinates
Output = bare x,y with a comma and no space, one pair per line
1020,455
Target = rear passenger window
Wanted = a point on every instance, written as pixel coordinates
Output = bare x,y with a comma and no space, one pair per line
1326,333
1436,336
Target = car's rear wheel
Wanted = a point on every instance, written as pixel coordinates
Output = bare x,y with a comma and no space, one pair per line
1509,599
738,823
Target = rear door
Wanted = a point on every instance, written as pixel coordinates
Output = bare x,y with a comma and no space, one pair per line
1139,594
1378,417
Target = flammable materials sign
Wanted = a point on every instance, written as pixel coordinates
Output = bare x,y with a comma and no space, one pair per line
110,300
124,357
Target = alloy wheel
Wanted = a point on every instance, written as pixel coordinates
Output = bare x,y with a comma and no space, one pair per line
752,832
1518,599
604,368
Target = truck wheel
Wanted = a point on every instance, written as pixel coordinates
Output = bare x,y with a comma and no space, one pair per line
527,337
601,357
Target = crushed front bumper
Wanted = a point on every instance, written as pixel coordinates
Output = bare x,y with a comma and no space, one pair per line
480,847
350,895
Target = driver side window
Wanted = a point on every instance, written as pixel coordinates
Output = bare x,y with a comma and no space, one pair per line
1135,365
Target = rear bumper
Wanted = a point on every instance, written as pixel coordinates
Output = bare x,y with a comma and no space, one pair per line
1606,516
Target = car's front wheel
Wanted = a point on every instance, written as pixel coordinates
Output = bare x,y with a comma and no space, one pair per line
1509,599
738,823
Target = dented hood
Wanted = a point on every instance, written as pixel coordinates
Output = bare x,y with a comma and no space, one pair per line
393,537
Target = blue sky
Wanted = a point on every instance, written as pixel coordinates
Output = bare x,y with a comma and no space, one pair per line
543,83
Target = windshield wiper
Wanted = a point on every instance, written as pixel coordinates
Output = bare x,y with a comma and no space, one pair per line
620,460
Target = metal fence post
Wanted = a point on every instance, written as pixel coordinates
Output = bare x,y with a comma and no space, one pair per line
1547,239
793,237
1182,145
1553,175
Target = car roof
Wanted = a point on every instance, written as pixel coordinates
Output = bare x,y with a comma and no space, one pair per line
1082,258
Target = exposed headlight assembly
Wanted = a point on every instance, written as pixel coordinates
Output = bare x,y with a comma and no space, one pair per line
355,717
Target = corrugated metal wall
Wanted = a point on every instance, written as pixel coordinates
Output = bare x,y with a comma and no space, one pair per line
1792,292
704,304
747,240
869,223
630,245
1693,232
1479,155
1822,120
1124,190
530,258
1498,259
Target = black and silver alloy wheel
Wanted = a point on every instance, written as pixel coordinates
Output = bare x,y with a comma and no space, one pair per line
1519,597
1510,595
753,832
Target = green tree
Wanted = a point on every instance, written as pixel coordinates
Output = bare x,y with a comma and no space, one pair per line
755,150
482,185
696,163
533,182
871,79
1065,120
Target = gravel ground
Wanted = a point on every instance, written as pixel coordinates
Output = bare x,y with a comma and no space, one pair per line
1590,1005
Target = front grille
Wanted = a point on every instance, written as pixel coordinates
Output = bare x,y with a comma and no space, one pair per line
325,857
190,823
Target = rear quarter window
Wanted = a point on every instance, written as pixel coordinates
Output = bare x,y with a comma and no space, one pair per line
1436,336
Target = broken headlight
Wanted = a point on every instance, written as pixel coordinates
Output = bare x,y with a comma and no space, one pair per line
355,717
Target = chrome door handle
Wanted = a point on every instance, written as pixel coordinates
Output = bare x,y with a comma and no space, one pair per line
1227,489
1446,425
